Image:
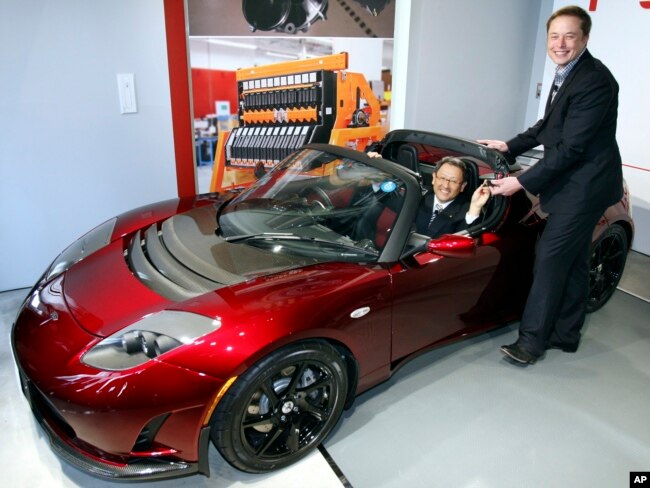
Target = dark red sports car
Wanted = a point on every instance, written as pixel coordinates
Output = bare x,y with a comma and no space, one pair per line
252,319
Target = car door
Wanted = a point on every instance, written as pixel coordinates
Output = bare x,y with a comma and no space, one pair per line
467,285
442,295
437,301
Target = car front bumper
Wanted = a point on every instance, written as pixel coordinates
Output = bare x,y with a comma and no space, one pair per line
119,425
125,469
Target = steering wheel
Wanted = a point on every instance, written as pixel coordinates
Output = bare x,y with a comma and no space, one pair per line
366,245
323,198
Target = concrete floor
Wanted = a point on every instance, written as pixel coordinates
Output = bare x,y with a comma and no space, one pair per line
457,416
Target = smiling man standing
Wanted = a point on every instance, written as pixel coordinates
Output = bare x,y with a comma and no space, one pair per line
578,178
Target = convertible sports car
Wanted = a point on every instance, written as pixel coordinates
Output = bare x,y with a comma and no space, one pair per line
252,318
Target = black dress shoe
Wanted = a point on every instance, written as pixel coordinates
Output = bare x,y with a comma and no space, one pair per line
519,354
562,346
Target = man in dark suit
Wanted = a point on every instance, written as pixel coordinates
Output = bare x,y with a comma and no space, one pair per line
578,178
446,209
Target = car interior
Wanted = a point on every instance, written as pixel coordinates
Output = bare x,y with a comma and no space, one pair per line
421,159
371,228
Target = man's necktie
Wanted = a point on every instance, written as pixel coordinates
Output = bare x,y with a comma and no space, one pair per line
436,210
551,95
554,90
557,81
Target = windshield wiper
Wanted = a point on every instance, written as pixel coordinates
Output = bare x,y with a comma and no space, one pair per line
262,235
288,236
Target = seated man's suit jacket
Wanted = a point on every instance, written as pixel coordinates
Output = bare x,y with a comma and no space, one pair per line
448,221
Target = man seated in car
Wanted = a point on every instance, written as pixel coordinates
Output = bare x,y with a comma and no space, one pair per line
446,209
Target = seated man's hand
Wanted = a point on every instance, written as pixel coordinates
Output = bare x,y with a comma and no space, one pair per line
479,199
373,154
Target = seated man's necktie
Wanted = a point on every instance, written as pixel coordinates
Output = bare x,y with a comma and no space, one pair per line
436,210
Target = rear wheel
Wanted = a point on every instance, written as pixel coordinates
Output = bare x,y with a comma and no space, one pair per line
608,257
281,408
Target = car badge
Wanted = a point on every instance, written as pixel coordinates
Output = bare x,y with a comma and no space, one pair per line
388,186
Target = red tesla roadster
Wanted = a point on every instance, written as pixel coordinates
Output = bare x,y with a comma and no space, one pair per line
252,318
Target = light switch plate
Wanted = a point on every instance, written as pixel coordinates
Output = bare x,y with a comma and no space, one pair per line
126,89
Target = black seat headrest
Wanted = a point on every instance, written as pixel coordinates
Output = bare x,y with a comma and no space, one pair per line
471,176
407,156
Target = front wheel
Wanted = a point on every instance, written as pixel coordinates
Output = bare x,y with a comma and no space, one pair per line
281,408
606,266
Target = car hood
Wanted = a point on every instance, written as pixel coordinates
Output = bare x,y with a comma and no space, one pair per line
164,265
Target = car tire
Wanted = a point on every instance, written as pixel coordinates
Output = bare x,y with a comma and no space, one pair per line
608,255
281,408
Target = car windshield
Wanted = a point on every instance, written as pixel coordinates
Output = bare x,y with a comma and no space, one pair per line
317,204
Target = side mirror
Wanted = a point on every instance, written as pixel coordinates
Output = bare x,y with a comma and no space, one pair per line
449,245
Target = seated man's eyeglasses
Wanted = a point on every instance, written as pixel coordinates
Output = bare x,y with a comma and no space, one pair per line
450,181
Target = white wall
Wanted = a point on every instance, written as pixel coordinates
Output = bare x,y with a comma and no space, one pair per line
538,72
68,159
470,65
364,55
400,70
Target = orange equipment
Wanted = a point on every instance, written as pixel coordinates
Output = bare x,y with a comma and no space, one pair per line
286,105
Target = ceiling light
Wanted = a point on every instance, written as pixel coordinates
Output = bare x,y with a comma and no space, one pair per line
281,55
241,45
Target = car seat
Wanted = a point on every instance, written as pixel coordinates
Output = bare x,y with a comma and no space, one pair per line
378,219
407,156
471,176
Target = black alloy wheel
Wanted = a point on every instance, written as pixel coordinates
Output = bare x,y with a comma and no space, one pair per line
280,409
606,266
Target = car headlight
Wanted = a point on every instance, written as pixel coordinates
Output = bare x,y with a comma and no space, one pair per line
148,338
91,242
